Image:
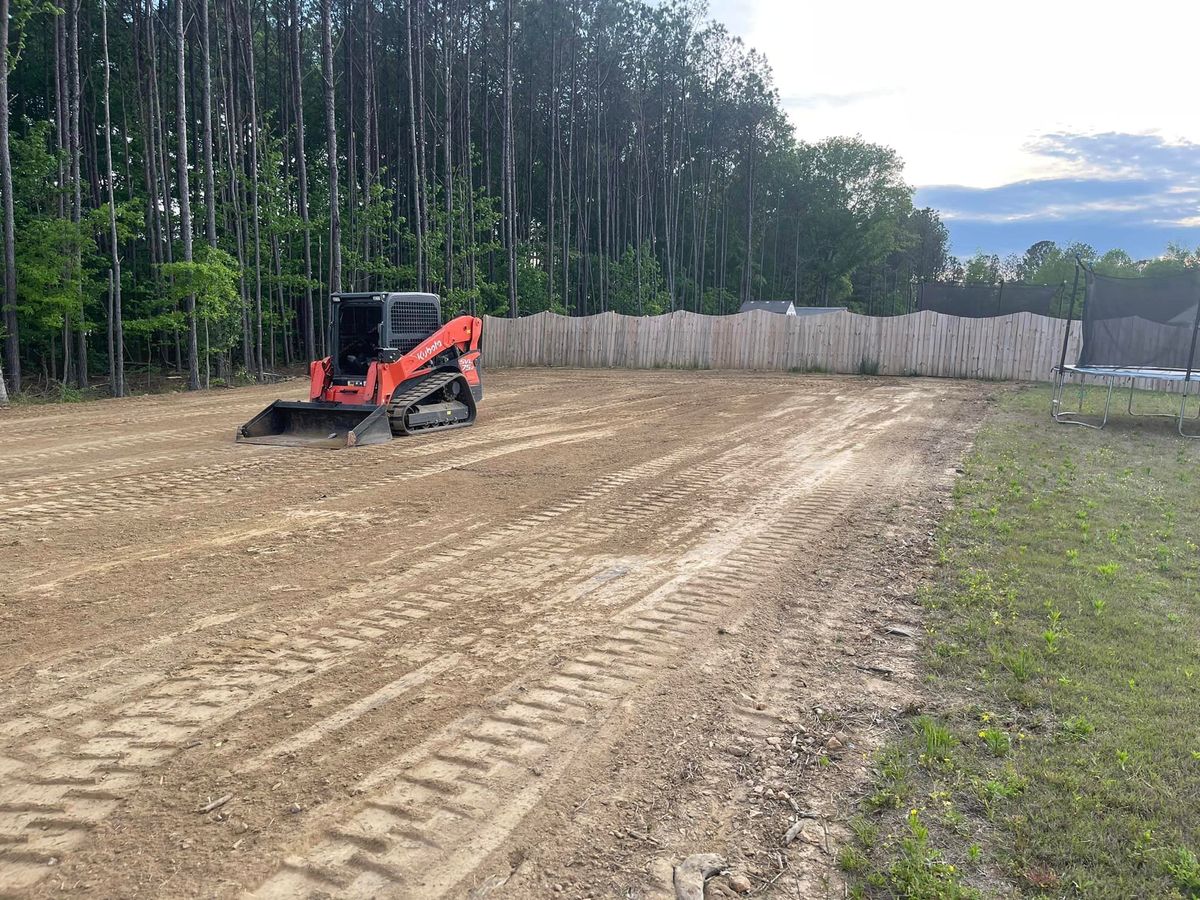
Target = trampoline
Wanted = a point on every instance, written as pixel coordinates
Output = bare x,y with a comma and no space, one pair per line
1133,329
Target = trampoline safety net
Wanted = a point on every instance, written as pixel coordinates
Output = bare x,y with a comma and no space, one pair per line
1147,323
981,301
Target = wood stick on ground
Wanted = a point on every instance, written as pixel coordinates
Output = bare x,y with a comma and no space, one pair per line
216,804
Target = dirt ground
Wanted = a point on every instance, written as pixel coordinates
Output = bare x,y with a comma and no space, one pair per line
627,617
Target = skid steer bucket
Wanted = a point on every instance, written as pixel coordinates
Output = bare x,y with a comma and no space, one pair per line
330,425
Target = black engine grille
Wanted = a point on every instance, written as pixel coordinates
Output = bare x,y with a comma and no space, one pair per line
411,321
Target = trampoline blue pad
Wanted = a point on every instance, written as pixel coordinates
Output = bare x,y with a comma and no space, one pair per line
1122,372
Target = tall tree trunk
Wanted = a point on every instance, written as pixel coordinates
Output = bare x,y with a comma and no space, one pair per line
335,222
422,144
62,141
552,140
81,364
12,338
418,188
60,103
235,214
153,219
247,46
568,183
368,135
185,191
210,175
116,349
162,180
748,262
469,230
310,345
509,174
448,78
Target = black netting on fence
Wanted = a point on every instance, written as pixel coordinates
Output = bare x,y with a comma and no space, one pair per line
980,301
1146,323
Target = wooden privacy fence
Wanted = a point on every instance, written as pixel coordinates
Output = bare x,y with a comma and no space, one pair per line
1019,347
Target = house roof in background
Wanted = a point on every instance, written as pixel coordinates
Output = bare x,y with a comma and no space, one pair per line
818,310
783,307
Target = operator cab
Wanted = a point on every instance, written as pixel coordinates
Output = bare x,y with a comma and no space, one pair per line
369,327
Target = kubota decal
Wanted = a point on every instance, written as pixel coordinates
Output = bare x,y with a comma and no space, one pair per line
425,352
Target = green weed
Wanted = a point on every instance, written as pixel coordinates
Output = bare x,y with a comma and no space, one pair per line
921,872
997,740
890,787
852,860
1023,664
938,739
865,832
1184,868
1077,728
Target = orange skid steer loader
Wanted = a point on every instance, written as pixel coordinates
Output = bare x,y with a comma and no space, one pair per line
393,368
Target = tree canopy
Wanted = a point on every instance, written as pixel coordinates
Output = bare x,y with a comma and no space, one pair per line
511,155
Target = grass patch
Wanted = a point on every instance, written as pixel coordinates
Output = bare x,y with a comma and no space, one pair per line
1063,755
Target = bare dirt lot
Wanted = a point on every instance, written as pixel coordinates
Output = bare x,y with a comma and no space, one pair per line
628,617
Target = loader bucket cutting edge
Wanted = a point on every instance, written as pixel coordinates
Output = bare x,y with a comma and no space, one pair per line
321,425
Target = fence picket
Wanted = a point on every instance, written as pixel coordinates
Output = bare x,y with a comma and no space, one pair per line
1019,347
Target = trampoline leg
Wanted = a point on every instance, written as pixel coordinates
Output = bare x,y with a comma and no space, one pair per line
1060,378
1058,401
1183,414
1188,397
1073,418
1138,415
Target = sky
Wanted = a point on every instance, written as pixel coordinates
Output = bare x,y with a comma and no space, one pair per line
1020,121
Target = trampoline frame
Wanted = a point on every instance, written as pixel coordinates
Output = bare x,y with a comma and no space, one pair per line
1110,375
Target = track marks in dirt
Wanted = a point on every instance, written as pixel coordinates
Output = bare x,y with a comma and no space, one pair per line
86,493
475,780
654,552
65,504
146,733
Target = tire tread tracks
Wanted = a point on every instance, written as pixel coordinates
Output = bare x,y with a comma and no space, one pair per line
148,732
525,727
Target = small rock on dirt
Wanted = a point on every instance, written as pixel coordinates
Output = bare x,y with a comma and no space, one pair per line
741,884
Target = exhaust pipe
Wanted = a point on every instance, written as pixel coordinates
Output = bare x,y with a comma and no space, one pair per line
323,425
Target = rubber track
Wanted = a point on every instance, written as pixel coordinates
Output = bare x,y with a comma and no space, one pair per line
400,406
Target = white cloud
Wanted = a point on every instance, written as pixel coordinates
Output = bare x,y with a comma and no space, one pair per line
963,89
